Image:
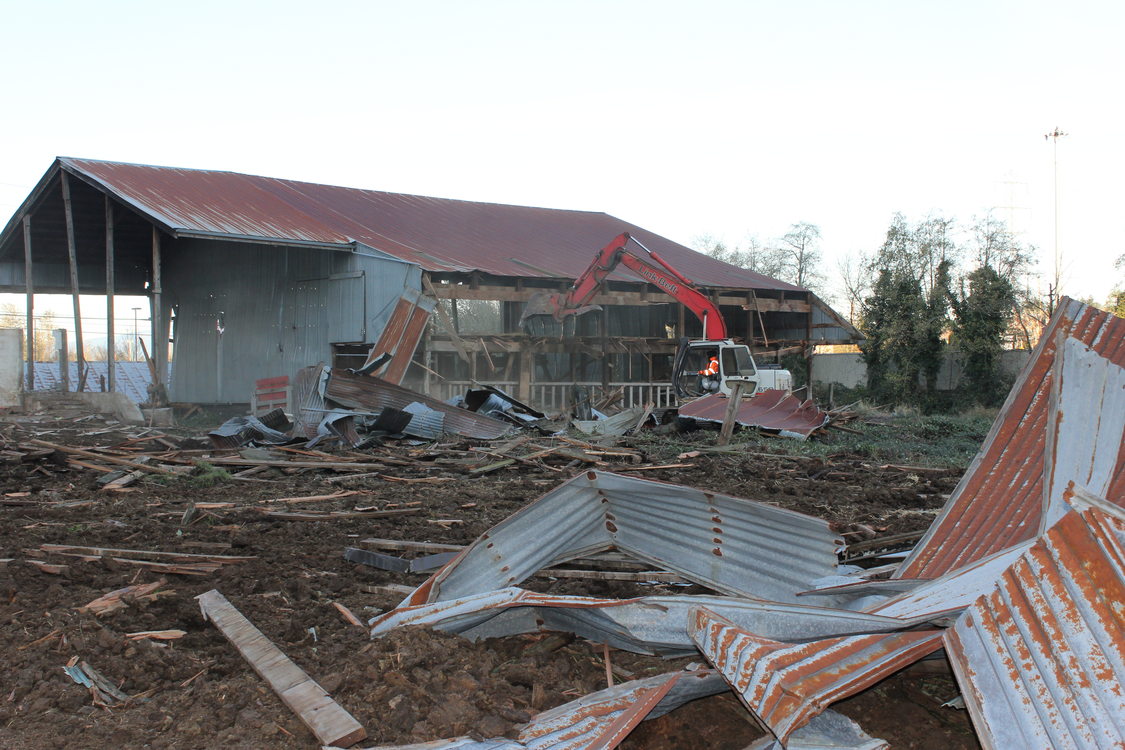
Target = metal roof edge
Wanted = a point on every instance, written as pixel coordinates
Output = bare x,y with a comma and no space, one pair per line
36,193
69,163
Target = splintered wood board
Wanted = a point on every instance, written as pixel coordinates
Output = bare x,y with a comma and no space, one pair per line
331,724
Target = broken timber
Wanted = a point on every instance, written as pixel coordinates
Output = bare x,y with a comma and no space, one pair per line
331,724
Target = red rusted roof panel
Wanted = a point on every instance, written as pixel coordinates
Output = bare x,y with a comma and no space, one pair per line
784,684
768,410
1000,500
438,234
1041,659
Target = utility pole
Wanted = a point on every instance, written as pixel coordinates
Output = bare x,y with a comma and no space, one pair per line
1054,136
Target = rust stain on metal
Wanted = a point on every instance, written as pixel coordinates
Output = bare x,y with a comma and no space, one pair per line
768,410
785,685
400,337
1000,500
1041,659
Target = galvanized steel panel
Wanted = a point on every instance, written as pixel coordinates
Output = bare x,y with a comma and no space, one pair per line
372,394
647,625
1041,659
437,234
999,502
767,410
785,685
728,544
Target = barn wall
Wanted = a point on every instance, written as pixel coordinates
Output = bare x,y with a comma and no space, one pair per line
280,309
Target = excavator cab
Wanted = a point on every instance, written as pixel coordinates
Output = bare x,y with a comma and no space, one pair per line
735,364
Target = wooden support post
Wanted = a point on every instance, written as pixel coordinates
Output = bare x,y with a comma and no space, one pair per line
63,357
72,252
110,341
603,333
527,364
29,286
159,330
732,413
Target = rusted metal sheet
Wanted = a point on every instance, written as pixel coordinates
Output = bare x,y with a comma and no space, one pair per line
401,335
437,234
785,685
768,410
1000,500
372,394
598,721
728,544
1041,659
646,625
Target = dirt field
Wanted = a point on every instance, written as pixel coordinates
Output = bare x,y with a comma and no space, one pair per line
414,685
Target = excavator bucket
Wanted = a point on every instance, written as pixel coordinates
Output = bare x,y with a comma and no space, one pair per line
541,303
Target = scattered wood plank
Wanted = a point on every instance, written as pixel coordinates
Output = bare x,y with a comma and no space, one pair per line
410,546
393,589
281,464
493,466
46,567
99,551
654,468
102,457
311,515
315,498
331,724
349,616
156,635
120,598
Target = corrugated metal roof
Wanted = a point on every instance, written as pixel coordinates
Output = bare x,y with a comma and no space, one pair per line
768,410
132,378
785,685
1041,659
825,731
1000,500
646,625
373,394
438,234
728,544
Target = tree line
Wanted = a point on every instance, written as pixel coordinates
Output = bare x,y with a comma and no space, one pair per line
929,287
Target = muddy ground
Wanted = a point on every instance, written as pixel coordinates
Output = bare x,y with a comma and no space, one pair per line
414,685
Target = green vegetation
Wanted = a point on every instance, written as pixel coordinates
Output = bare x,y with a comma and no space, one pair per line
208,475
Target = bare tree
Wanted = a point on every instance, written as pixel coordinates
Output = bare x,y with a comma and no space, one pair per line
752,255
801,256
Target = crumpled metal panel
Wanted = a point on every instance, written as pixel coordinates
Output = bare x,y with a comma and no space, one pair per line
401,334
768,410
785,685
1000,500
1041,659
372,394
825,731
598,721
438,234
646,625
728,544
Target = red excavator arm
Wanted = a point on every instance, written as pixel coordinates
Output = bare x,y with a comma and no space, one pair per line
650,267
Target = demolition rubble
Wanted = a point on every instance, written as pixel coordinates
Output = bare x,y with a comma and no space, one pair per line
1015,585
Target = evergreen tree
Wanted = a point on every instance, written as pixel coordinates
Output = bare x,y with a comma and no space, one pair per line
981,318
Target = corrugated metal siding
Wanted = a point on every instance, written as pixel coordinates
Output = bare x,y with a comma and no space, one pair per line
1041,659
437,234
296,304
786,685
999,502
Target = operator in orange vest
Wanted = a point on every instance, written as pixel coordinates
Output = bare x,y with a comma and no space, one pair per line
710,375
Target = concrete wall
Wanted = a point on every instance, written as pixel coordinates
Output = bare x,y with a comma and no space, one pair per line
11,366
280,309
849,370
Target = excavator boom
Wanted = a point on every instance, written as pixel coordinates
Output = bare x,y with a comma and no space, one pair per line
648,266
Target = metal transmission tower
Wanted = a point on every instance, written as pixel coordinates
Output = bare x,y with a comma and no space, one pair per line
1054,292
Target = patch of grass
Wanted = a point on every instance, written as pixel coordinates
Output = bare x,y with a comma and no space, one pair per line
208,475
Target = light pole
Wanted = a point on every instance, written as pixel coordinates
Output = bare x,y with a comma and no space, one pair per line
136,334
1054,135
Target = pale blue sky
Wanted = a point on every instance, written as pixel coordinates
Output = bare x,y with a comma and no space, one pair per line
722,118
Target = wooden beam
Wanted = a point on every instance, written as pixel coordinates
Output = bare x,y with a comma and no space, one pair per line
110,359
29,286
734,298
331,724
732,413
159,330
72,253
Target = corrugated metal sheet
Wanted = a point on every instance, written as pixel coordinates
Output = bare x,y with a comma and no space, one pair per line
598,721
1041,659
132,378
728,544
825,731
785,685
1000,500
372,394
437,234
646,625
401,334
768,410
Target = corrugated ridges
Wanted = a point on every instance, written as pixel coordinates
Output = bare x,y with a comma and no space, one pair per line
769,410
1041,659
785,685
999,501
